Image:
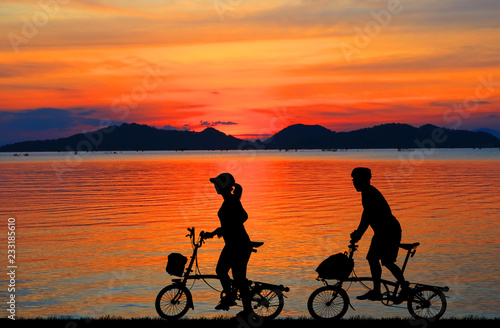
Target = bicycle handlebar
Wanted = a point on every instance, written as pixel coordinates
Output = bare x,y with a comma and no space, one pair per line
191,235
203,236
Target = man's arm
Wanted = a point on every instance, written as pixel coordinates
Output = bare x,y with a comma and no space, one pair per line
363,225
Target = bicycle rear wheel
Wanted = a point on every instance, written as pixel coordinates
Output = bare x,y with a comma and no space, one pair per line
173,302
427,303
267,303
328,302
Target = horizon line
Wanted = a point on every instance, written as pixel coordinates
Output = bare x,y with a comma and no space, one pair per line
253,136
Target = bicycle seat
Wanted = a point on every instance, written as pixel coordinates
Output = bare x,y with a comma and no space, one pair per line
256,244
408,246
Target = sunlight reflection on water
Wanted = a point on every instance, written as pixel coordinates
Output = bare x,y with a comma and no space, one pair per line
96,242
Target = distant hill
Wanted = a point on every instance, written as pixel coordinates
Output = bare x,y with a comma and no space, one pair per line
132,137
490,131
392,135
299,136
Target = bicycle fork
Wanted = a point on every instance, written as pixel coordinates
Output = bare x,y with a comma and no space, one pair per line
180,293
334,295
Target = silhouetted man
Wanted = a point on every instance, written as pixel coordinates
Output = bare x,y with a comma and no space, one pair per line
387,232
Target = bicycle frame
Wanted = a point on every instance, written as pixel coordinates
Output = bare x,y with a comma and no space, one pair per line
189,269
188,276
411,250
423,301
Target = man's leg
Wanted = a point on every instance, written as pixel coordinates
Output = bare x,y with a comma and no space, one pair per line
373,258
396,271
390,256
398,274
376,270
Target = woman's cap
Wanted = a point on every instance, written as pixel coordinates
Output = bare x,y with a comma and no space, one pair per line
223,180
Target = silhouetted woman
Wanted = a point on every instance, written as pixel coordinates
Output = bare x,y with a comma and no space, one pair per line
237,249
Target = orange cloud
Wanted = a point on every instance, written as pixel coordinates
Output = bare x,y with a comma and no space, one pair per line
177,63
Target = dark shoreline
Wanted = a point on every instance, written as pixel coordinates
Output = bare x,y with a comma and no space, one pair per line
223,322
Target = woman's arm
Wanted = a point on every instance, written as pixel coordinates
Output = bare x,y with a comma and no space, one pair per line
217,232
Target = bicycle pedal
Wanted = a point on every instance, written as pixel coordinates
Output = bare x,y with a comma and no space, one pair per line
397,301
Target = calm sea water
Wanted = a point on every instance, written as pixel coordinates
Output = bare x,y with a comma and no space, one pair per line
93,231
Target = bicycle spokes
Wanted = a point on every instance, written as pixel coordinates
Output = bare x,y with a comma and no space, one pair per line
264,299
425,299
267,303
329,298
328,303
174,301
427,303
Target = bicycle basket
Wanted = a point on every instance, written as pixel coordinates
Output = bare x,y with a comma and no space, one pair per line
175,264
337,266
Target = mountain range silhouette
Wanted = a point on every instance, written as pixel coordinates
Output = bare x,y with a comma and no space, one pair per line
133,136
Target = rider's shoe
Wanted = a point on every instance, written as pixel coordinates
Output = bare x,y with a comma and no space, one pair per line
403,294
225,303
370,295
405,290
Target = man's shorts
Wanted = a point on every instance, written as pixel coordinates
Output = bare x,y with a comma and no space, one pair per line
385,247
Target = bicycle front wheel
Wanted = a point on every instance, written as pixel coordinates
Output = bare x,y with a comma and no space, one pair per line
267,303
427,303
328,303
173,302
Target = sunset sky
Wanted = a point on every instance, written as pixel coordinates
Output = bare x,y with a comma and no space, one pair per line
246,67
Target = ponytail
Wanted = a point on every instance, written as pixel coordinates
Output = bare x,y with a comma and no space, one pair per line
238,190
